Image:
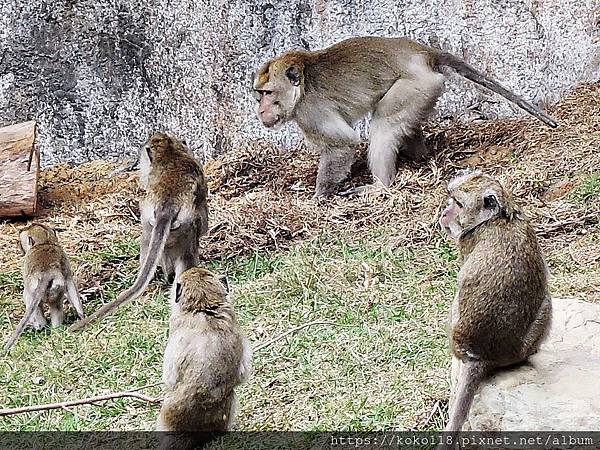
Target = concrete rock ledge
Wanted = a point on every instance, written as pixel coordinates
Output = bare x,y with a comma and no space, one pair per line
558,389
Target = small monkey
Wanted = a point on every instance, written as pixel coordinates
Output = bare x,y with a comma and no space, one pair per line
174,215
502,309
326,92
206,357
47,278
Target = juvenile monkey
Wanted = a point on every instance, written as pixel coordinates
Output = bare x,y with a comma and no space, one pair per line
502,309
47,277
174,216
326,92
206,357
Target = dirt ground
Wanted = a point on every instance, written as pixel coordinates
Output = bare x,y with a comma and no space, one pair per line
261,196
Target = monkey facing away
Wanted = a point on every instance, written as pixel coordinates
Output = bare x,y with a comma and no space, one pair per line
326,92
47,278
174,215
502,309
206,357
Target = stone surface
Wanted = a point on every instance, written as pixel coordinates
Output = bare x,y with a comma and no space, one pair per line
100,75
558,388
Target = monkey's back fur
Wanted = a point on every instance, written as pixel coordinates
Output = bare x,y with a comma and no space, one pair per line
501,288
175,174
347,61
200,396
176,182
50,260
205,358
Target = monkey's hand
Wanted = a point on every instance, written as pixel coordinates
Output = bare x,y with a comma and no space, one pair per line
128,168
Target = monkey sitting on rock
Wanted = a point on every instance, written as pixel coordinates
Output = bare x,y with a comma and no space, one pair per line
502,309
327,92
47,278
206,357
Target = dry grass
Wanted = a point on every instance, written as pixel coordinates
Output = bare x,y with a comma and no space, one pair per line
375,264
261,196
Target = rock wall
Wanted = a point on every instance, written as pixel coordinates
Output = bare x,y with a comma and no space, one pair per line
100,75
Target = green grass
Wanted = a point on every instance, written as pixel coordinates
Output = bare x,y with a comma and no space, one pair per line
380,367
588,189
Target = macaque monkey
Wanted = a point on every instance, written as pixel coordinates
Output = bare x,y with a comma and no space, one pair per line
174,216
326,92
206,357
47,278
502,309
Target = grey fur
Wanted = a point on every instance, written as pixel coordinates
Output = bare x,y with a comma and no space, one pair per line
502,309
206,357
396,80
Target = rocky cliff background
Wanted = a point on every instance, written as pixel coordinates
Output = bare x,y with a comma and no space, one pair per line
100,75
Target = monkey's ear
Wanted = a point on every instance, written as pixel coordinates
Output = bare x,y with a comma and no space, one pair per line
225,283
30,241
293,75
148,151
490,201
178,290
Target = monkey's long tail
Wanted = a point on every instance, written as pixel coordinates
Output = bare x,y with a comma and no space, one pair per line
471,375
470,73
38,295
160,233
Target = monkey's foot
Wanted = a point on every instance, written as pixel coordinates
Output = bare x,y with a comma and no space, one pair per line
320,199
323,194
374,188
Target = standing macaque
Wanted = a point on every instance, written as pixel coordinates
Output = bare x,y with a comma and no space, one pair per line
502,309
206,357
326,92
174,215
47,278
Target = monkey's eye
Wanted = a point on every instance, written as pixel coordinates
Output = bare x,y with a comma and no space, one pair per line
459,204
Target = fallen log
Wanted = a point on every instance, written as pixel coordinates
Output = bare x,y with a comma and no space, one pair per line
19,170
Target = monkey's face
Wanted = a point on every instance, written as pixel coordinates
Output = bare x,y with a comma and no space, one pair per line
157,145
473,199
277,88
449,219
